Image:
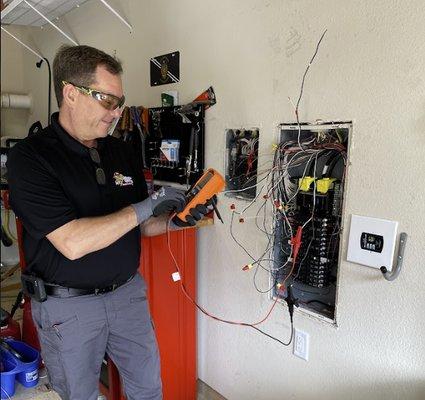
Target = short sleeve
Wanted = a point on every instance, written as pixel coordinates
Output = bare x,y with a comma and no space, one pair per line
35,193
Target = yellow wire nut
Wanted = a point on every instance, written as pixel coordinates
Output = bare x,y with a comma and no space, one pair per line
274,146
323,185
305,183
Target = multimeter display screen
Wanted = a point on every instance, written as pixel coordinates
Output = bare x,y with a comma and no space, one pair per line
198,186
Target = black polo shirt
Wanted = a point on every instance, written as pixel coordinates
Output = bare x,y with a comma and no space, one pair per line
52,181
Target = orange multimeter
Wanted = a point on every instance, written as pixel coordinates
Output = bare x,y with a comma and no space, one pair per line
204,189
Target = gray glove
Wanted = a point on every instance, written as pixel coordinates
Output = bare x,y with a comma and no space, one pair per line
164,201
195,214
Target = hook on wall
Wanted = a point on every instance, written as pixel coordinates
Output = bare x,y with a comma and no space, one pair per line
390,276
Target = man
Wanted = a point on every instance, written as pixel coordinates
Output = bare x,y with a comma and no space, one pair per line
81,196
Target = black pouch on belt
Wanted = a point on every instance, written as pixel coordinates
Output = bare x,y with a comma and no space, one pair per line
33,287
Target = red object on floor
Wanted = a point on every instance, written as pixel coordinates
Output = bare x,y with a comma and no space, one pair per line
29,332
173,315
11,329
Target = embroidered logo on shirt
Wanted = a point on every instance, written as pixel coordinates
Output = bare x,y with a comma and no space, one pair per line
121,180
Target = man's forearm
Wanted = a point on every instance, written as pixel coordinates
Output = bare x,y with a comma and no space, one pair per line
86,235
155,226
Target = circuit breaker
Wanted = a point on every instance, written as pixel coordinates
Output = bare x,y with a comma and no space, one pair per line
311,161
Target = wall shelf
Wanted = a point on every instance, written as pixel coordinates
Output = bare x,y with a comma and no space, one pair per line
38,13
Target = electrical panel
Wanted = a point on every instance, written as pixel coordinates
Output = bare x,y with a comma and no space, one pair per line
308,190
241,162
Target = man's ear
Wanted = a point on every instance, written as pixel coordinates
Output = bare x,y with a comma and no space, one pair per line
69,95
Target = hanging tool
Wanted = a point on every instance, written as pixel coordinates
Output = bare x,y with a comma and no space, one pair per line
195,147
124,123
156,122
208,185
190,156
134,113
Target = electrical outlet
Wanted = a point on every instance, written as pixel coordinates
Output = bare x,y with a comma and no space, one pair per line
301,344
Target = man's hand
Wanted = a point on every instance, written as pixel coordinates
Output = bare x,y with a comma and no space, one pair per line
196,214
164,201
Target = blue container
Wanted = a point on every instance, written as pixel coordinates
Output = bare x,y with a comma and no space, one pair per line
28,368
8,373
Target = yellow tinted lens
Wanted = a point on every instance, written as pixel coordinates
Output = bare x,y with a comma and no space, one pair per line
108,102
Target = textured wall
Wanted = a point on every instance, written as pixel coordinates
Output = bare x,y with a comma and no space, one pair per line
370,69
13,121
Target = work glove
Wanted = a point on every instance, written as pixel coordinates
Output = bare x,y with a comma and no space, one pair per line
195,214
164,201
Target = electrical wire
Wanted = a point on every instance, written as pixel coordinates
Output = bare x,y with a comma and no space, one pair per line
302,87
277,340
200,308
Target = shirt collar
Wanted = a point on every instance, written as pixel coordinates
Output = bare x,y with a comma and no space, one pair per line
68,140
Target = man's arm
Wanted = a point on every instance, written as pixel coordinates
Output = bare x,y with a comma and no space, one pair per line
86,235
156,226
82,236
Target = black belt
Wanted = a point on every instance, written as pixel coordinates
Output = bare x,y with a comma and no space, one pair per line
62,291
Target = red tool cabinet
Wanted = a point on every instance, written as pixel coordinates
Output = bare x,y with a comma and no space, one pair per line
173,314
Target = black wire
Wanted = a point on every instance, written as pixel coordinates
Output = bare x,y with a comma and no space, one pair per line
272,337
49,95
302,87
308,67
49,107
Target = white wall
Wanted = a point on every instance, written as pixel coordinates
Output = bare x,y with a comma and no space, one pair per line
13,121
370,69
20,75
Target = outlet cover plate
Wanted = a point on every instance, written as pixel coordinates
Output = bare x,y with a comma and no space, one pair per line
372,227
301,344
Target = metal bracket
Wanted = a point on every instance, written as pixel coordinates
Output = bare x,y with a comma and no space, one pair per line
390,276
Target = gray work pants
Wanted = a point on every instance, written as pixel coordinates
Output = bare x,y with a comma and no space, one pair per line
75,333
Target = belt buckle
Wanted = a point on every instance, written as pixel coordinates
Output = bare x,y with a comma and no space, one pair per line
107,289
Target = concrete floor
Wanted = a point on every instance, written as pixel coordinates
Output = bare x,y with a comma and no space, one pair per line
43,392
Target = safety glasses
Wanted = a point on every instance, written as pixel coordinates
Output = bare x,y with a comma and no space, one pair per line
106,100
100,173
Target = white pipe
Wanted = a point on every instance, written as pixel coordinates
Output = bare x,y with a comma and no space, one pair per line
9,100
50,22
23,44
116,14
